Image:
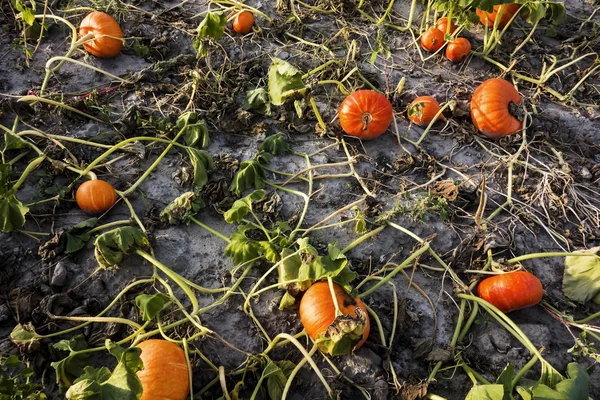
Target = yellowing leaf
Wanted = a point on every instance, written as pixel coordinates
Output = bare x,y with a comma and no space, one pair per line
581,280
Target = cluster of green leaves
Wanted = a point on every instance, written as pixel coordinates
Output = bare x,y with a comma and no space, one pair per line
27,10
212,27
14,381
196,137
112,246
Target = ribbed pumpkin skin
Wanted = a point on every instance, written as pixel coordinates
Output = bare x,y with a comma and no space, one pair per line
165,374
317,310
242,23
442,25
102,25
365,105
430,108
432,40
511,291
95,196
507,14
489,108
458,49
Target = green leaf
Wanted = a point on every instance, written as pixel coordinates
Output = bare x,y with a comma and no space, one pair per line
243,206
13,142
25,335
240,248
263,157
285,82
534,12
323,267
250,175
486,392
257,100
505,379
113,245
212,26
5,170
274,144
286,301
28,16
78,235
12,213
202,163
577,387
12,361
151,305
196,132
277,374
581,279
556,13
70,367
269,251
288,270
182,209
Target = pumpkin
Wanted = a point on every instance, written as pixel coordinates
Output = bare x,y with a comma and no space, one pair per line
442,25
432,40
365,114
165,375
422,110
242,23
106,34
95,196
458,49
508,10
511,291
334,336
489,108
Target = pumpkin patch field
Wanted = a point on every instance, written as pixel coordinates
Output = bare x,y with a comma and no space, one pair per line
291,199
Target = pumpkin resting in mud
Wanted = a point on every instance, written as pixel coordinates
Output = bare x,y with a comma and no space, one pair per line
365,114
458,49
432,39
334,336
95,196
511,291
508,10
489,108
242,23
442,25
165,374
422,110
106,33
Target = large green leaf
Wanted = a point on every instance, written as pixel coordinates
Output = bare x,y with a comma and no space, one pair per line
243,206
12,213
257,100
274,144
276,374
486,392
151,304
581,280
70,368
285,82
78,235
112,246
182,209
202,163
577,387
250,175
240,248
212,26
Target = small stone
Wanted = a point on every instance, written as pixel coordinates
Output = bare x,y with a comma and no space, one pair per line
585,173
283,55
59,276
4,313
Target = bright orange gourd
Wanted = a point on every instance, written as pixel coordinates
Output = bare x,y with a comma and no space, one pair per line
511,291
458,49
95,196
317,310
106,33
508,11
489,108
242,23
432,40
365,114
165,374
442,25
422,110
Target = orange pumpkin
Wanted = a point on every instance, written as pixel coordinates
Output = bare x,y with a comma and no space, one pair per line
165,375
365,114
242,23
106,34
511,291
432,40
458,49
422,110
489,108
442,25
317,313
95,196
508,10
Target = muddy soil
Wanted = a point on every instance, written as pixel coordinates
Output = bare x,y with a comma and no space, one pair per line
401,175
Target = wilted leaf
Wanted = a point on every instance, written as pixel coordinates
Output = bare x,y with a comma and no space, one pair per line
182,209
285,82
250,175
78,235
12,213
257,100
202,163
212,26
70,367
274,144
151,305
581,280
25,335
196,132
243,206
113,245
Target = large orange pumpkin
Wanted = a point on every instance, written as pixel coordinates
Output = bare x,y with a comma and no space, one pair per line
106,33
442,25
365,114
489,108
432,39
508,10
511,291
165,374
458,49
242,23
317,313
422,110
95,196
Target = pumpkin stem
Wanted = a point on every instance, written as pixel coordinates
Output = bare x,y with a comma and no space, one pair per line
366,120
85,38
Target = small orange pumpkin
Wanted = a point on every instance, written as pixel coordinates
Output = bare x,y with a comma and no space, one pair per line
317,312
365,114
165,375
511,291
242,23
106,33
95,196
422,110
442,25
508,10
432,40
489,108
458,49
